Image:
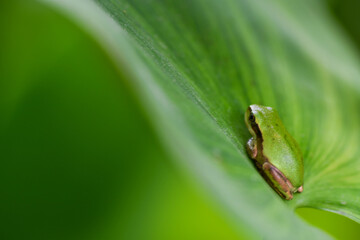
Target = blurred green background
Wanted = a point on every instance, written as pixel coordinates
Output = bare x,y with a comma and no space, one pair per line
78,157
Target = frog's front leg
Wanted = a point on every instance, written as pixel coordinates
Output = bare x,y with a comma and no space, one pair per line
251,148
278,180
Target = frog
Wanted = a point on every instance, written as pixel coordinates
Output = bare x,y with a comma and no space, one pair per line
276,154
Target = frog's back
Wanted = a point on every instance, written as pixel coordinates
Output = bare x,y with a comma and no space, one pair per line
280,147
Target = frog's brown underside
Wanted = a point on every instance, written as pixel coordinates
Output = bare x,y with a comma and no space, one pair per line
280,178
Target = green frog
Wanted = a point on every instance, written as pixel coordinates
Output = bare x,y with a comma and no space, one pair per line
274,151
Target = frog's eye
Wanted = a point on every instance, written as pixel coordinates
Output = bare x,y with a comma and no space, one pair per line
252,117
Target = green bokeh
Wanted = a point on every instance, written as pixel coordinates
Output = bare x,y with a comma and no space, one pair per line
78,158
338,226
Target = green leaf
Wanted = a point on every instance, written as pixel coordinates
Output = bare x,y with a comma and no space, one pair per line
78,158
197,65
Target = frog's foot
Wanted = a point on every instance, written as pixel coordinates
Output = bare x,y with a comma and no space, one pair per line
278,181
300,189
251,148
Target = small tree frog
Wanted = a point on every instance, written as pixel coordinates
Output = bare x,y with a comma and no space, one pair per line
274,151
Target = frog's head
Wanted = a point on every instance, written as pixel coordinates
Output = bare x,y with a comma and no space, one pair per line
256,116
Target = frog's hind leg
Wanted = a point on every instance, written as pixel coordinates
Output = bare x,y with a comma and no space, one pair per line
251,148
278,180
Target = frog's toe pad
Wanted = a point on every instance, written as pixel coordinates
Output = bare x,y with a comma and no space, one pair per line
300,189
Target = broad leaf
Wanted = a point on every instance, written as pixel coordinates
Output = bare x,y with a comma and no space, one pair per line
197,65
